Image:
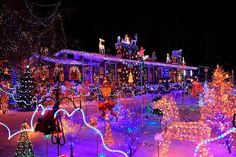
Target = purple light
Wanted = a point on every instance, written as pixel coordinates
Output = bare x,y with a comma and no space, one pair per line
61,61
99,57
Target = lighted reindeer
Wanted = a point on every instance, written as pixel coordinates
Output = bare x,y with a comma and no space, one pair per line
101,46
174,129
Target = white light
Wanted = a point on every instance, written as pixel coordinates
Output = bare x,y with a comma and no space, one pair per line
93,128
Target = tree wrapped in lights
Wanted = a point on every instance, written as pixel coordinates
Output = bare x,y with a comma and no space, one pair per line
24,148
204,93
108,139
220,105
71,130
106,108
26,91
131,128
4,102
23,33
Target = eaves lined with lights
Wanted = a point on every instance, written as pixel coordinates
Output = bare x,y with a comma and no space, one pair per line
99,57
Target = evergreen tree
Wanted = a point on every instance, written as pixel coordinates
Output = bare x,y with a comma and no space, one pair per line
220,105
24,148
204,93
131,80
108,133
26,90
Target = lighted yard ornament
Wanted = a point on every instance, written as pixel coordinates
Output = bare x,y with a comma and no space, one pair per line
183,61
74,73
174,129
141,52
130,80
24,147
153,110
201,95
108,104
134,41
176,57
220,106
71,130
168,58
93,121
106,107
4,102
44,111
101,46
196,88
48,123
126,40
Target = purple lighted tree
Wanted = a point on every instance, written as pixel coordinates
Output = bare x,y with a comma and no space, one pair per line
131,128
220,105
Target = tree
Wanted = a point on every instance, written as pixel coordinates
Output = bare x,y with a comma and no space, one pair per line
108,133
24,32
71,130
130,80
26,90
204,93
130,127
220,105
24,148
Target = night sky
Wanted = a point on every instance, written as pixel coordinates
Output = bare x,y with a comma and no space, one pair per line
206,34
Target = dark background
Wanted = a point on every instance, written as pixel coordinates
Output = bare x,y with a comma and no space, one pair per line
205,33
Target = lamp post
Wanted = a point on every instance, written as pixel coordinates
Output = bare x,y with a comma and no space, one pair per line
107,105
141,84
48,124
106,89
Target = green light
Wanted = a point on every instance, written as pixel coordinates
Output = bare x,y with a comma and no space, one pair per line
47,136
101,155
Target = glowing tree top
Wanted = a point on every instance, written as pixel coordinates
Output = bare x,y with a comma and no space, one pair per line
220,95
24,148
220,105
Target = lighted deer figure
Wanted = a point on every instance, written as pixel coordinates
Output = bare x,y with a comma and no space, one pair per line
101,46
134,41
174,129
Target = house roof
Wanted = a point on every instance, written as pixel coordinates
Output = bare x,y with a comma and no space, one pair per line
100,57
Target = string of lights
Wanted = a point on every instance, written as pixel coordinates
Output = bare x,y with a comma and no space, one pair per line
91,127
206,141
69,115
100,57
29,7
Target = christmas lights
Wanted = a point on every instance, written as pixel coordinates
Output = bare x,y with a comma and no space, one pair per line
220,106
204,142
34,99
176,130
91,127
10,135
69,115
99,57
